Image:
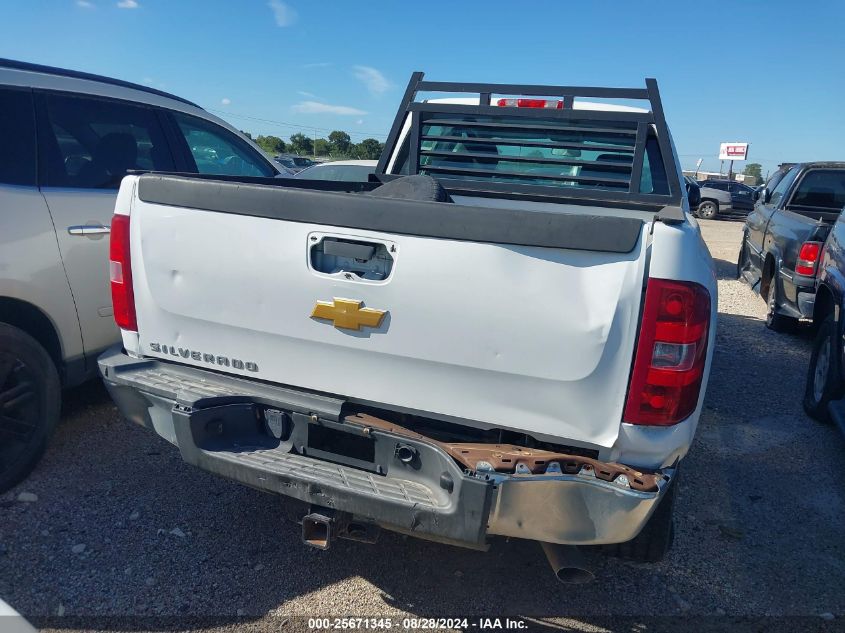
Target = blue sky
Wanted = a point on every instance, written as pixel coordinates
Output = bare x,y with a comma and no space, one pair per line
768,72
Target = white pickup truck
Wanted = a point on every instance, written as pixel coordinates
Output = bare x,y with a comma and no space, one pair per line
508,331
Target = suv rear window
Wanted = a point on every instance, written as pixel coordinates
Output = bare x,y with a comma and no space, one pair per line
507,150
17,138
91,142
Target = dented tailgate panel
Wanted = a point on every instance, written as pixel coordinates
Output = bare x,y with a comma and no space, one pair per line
525,338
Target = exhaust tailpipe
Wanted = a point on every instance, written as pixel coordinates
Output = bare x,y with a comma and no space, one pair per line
317,530
568,563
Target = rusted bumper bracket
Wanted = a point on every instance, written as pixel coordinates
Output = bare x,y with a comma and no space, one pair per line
510,458
548,496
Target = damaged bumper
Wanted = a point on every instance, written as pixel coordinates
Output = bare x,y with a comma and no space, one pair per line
299,444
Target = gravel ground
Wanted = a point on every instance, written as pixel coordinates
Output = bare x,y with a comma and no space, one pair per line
122,527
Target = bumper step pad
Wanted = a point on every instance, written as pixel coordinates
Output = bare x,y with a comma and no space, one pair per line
324,473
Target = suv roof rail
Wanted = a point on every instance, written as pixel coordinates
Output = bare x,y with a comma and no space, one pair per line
77,74
598,189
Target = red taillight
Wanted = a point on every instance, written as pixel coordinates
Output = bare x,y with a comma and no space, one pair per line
530,103
808,258
120,274
671,352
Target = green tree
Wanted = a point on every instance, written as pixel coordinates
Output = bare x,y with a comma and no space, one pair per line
246,134
369,149
322,147
340,142
271,144
301,144
755,170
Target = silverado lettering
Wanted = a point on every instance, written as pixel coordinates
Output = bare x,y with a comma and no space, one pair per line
161,348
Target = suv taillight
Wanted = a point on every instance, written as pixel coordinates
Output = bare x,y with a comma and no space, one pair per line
808,258
671,353
120,274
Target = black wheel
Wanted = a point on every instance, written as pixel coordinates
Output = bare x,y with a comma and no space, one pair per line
30,400
823,375
655,540
708,210
775,321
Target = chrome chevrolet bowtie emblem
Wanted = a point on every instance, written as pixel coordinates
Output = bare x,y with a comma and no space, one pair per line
347,314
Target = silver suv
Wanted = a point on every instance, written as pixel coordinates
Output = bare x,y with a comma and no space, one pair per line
66,141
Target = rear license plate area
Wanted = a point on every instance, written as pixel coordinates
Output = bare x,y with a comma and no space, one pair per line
342,447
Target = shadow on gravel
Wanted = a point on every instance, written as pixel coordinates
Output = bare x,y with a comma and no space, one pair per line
759,521
732,217
90,394
754,449
724,269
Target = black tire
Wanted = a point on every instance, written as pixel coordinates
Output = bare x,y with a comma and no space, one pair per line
707,210
824,382
655,539
30,402
740,260
775,321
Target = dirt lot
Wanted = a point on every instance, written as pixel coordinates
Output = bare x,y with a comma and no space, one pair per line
122,527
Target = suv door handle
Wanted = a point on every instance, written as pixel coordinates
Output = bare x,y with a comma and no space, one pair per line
89,229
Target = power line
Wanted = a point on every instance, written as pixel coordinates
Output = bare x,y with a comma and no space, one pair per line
297,126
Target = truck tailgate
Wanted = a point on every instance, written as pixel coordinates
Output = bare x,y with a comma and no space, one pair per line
520,337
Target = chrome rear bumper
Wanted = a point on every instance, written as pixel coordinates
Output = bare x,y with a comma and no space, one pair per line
409,484
575,509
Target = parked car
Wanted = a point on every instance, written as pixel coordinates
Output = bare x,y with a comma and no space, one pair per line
782,240
293,162
472,347
713,203
66,141
742,196
824,388
340,170
284,172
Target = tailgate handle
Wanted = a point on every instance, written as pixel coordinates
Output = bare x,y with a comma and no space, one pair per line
351,258
352,250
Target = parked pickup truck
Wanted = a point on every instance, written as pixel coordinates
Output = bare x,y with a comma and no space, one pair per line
783,237
824,389
712,203
506,332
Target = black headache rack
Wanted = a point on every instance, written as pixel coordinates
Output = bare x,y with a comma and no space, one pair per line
544,152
